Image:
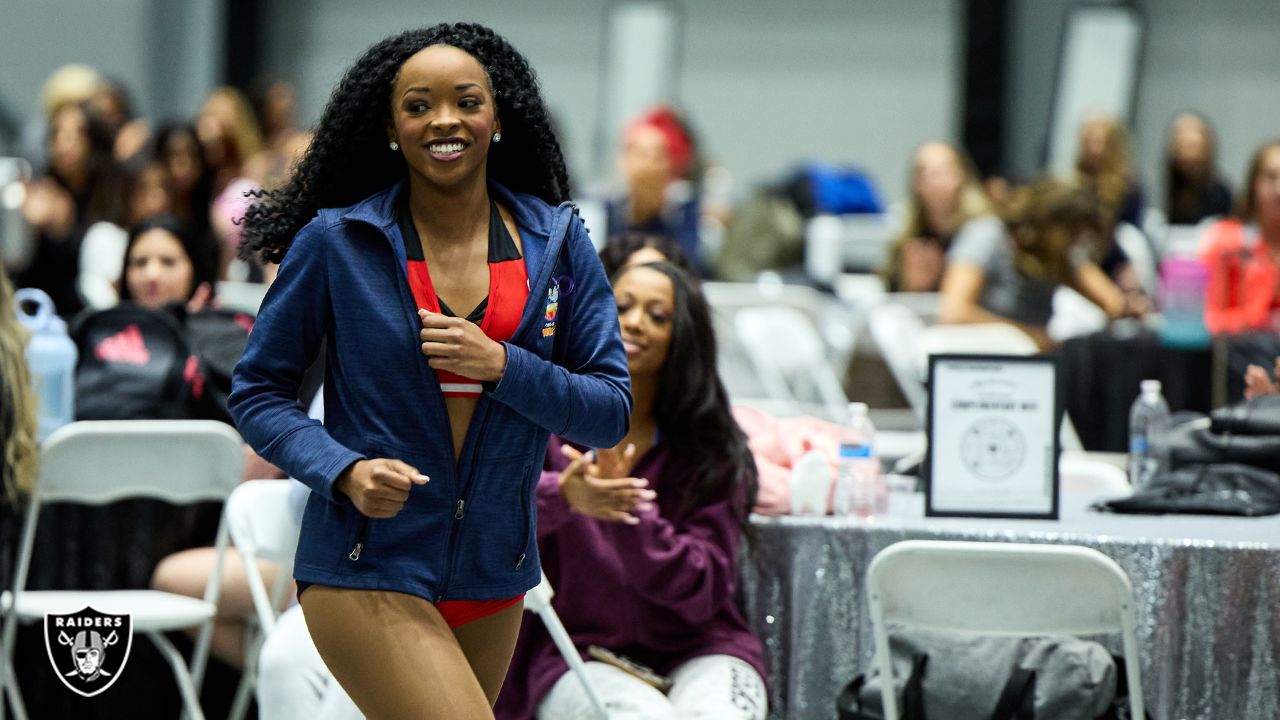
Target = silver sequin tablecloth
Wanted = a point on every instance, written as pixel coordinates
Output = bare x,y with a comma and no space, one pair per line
1207,589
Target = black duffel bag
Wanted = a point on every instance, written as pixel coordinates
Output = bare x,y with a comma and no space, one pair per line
1217,489
1257,417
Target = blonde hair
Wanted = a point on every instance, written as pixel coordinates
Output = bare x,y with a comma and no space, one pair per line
243,133
1047,219
70,84
1111,180
971,203
18,404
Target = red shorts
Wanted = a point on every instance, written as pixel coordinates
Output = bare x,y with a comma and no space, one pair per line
461,612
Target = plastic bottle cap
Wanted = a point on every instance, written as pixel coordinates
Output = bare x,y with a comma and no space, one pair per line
1150,386
44,310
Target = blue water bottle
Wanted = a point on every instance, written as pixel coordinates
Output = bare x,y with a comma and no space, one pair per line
51,358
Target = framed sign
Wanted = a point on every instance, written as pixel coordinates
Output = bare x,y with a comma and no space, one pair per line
993,437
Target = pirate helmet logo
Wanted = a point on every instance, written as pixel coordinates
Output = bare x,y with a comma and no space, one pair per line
88,649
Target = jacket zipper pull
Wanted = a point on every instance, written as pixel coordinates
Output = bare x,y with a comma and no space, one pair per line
520,561
457,515
355,552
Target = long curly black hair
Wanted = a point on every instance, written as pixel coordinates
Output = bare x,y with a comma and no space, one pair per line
348,159
692,406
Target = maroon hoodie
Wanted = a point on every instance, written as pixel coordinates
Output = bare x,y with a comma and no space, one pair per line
660,592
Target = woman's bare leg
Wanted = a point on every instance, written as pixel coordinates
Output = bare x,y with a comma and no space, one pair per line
187,572
488,644
393,654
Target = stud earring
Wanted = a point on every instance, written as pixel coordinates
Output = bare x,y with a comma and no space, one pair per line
497,137
393,145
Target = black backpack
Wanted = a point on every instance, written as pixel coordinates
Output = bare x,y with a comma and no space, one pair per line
135,364
218,338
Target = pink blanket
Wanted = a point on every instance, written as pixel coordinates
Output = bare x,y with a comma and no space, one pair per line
777,443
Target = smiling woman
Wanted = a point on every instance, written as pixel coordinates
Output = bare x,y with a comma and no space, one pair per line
642,539
434,183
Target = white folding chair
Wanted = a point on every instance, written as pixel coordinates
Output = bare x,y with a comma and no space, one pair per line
790,358
98,462
1142,256
239,295
263,527
999,589
538,600
898,332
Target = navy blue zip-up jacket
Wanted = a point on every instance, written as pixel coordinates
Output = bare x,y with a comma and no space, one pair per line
468,534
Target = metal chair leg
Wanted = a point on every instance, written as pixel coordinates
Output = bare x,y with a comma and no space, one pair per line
190,699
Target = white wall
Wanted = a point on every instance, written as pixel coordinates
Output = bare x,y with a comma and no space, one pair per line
1221,58
767,84
167,52
771,83
38,36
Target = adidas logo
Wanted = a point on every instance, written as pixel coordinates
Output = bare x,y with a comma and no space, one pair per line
125,347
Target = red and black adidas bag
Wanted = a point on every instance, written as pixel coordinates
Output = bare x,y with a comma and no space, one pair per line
135,364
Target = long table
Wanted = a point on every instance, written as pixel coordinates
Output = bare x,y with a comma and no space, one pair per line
1207,590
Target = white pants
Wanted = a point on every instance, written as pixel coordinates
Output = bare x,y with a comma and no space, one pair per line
293,681
715,687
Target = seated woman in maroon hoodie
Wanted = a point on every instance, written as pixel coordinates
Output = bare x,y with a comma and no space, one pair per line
641,541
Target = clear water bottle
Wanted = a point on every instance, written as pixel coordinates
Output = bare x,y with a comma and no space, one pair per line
1148,426
858,481
51,358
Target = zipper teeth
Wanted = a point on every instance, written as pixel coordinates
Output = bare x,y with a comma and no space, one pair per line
459,514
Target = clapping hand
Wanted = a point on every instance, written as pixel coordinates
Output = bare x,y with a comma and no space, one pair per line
601,489
1258,383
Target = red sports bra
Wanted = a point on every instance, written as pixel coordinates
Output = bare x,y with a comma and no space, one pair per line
498,315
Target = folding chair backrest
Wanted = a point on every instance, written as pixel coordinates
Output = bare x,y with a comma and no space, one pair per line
260,515
263,526
898,333
999,588
1142,257
783,334
787,350
101,461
